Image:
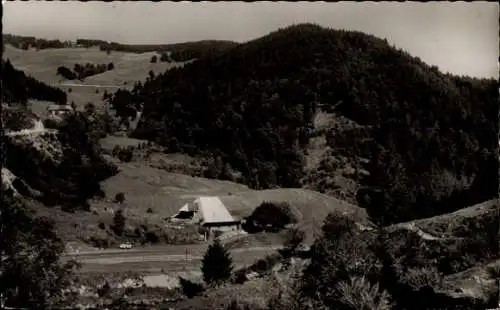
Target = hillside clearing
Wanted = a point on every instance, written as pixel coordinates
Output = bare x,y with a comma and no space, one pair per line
43,64
164,193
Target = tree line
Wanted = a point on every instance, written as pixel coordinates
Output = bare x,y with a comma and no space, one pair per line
26,42
82,71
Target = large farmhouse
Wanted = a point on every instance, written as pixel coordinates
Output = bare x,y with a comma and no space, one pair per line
210,214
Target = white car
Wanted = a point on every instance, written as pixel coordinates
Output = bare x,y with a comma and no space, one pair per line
126,245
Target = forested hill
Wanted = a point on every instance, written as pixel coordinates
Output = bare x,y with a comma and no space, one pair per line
18,88
428,136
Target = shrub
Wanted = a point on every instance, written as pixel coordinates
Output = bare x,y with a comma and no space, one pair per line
270,216
149,210
100,194
217,264
237,305
126,155
102,225
338,255
358,293
90,108
119,223
267,263
151,237
420,277
99,242
154,59
240,276
120,198
189,288
337,225
293,239
104,290
116,151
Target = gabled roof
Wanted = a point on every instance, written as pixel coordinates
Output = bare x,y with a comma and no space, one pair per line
212,210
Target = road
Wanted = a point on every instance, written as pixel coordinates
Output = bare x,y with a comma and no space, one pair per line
38,128
157,254
89,85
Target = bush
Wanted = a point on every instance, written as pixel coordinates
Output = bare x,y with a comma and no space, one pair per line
358,293
154,59
120,198
99,242
100,194
102,226
217,264
237,305
116,151
104,290
126,155
420,277
151,237
119,223
149,210
270,216
265,264
189,288
240,276
337,225
293,239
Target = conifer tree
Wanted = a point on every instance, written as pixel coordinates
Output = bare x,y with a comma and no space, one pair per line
217,264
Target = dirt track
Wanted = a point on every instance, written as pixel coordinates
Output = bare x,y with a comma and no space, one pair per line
148,257
88,85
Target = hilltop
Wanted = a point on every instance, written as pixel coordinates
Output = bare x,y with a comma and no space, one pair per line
335,111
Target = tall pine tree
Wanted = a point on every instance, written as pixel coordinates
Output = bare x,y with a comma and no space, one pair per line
217,264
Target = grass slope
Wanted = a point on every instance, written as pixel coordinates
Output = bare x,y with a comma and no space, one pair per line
43,64
164,192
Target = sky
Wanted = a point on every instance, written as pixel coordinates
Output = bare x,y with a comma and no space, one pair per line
458,37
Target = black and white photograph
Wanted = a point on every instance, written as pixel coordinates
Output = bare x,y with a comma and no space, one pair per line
250,155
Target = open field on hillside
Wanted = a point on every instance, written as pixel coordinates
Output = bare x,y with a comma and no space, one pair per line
43,64
165,193
152,194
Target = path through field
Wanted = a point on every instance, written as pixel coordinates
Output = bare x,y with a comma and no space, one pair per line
88,85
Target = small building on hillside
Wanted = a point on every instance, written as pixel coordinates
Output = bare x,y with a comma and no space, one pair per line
210,214
59,110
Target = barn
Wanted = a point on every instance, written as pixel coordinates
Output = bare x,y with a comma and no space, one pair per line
210,214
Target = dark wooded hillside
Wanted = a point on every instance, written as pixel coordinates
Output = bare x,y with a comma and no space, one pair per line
17,87
430,137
